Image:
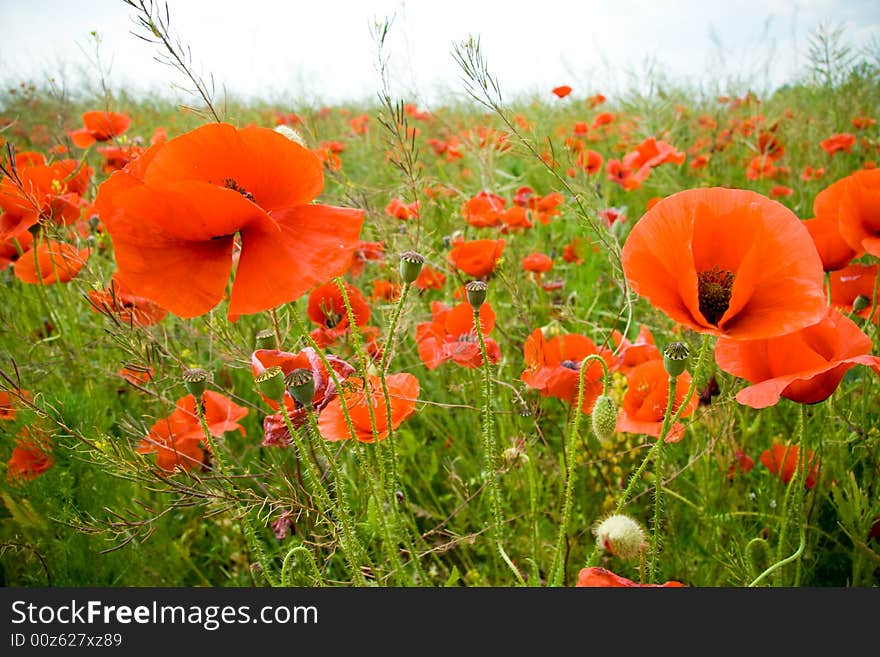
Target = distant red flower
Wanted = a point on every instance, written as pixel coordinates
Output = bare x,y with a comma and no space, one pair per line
451,335
484,209
646,398
385,290
742,462
590,161
117,157
595,100
851,282
137,375
327,309
600,577
358,124
403,211
727,262
761,166
174,215
128,308
553,367
604,118
274,428
100,126
537,263
477,258
366,404
783,460
7,404
30,457
365,252
51,262
840,142
430,279
805,366
862,122
780,191
562,91
574,251
700,162
809,173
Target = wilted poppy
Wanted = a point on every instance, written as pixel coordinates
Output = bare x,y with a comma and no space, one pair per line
782,460
30,457
601,577
173,215
850,283
726,262
451,335
274,427
403,391
100,126
553,367
646,398
51,262
805,366
477,258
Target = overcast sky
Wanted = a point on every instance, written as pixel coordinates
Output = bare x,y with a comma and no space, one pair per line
323,51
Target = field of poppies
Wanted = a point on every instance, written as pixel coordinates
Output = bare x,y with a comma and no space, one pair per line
572,340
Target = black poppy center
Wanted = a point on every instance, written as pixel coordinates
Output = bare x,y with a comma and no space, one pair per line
714,289
570,365
230,183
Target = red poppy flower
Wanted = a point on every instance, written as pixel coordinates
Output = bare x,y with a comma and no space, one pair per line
274,427
403,390
99,126
782,461
600,577
840,142
451,336
862,122
742,462
812,174
12,248
727,262
117,157
780,191
484,209
30,457
833,250
516,217
646,398
137,375
55,262
851,282
604,118
173,215
590,161
700,162
761,166
858,210
7,404
363,253
596,100
562,91
805,366
553,367
630,354
327,309
385,290
477,258
128,308
652,153
537,263
403,211
430,279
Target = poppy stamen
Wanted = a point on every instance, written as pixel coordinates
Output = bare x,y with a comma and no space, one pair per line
234,186
715,287
570,364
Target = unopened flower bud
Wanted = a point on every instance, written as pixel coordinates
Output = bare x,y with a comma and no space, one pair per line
621,536
410,266
196,381
476,294
271,383
301,385
860,303
604,418
675,358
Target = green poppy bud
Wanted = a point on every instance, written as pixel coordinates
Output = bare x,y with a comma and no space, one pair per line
301,385
476,294
675,358
604,418
410,266
271,383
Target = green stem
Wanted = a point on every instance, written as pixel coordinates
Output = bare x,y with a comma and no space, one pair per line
489,449
794,493
658,479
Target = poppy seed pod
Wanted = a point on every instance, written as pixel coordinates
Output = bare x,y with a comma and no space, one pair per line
196,381
604,418
675,358
621,536
860,303
271,383
476,294
410,266
301,385
265,339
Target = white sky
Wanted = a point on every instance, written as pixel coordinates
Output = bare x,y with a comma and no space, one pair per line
323,52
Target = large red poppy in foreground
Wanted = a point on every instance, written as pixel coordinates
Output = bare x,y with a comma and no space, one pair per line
176,214
728,262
